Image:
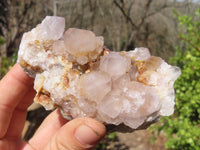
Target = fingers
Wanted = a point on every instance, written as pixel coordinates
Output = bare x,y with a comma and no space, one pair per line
13,87
78,134
47,130
19,116
55,133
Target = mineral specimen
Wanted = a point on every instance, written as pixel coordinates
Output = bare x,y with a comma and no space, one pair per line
73,71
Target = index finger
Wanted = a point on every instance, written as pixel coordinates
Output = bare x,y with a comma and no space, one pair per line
13,87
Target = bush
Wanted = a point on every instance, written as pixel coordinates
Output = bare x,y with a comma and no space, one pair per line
1,40
6,62
182,129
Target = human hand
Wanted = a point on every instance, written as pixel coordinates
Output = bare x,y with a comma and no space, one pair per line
55,133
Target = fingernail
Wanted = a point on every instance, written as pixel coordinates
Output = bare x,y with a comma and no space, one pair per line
86,135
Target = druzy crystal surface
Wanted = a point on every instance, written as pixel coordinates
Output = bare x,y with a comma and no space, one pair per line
73,71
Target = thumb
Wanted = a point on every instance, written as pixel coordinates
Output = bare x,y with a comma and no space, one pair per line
77,134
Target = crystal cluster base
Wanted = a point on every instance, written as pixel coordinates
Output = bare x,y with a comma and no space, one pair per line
73,71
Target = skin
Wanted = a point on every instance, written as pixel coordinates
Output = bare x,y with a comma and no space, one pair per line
56,133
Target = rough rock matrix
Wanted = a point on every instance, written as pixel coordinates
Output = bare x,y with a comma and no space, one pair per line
73,71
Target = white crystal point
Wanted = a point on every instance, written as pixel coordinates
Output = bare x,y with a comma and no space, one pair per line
129,90
144,99
115,64
111,101
132,101
59,48
83,44
95,85
171,74
52,27
140,53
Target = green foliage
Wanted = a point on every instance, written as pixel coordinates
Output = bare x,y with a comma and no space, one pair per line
182,130
109,138
112,136
100,146
1,40
6,63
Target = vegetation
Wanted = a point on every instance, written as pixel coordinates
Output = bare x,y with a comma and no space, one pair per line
7,63
183,130
126,24
1,40
146,23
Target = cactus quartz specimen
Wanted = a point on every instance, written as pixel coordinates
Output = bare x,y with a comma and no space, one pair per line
73,71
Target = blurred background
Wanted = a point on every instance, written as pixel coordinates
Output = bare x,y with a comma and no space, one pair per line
169,28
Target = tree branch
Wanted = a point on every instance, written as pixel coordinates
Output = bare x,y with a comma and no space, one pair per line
128,18
189,42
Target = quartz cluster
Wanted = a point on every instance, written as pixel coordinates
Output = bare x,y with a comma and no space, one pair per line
75,72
